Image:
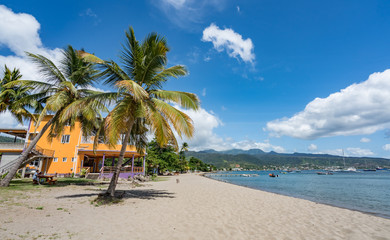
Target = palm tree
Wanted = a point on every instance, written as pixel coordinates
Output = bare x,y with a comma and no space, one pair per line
182,157
142,104
11,97
65,93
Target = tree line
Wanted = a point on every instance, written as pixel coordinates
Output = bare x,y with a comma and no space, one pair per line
165,159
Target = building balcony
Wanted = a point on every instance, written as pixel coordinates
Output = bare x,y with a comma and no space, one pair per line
11,147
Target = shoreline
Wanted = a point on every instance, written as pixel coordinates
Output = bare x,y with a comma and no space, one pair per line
384,216
187,206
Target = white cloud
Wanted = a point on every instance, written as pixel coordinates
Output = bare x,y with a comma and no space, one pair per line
386,147
230,41
365,140
19,33
178,4
250,144
204,92
188,13
89,13
8,121
348,152
358,152
205,123
361,108
312,147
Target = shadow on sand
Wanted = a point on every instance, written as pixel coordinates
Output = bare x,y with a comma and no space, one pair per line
147,194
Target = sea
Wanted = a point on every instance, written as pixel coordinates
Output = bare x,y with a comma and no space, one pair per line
367,192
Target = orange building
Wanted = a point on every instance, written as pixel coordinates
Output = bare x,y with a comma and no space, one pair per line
68,153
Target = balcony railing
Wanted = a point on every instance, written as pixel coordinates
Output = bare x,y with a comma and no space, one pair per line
13,146
108,169
46,152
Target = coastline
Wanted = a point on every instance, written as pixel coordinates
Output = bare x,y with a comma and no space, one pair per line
307,199
195,208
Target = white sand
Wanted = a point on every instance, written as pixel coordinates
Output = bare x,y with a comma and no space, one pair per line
195,208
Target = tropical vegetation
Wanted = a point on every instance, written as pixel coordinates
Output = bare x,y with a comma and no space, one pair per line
139,105
142,106
64,92
165,159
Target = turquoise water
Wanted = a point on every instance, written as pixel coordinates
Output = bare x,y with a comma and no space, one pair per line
362,191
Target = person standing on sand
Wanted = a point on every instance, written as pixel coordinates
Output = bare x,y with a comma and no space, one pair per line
36,178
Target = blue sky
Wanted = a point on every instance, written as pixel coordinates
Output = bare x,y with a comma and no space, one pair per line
280,75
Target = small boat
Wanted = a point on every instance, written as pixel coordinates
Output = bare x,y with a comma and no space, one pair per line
325,173
272,175
381,168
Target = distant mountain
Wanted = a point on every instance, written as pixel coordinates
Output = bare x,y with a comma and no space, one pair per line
240,151
258,159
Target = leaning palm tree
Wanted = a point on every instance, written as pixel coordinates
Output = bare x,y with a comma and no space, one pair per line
65,93
12,98
142,104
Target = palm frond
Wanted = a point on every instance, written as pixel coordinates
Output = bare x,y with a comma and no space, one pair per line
179,120
131,87
184,99
47,68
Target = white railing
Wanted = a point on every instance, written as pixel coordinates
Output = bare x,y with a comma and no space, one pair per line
13,146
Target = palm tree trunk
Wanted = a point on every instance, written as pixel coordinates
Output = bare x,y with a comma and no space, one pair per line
11,173
114,180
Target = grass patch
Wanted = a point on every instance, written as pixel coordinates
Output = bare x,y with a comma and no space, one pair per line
19,187
26,183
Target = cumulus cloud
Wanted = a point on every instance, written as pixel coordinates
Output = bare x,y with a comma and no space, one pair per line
348,152
188,13
206,122
7,120
266,146
227,39
365,140
19,33
386,147
312,147
361,108
358,152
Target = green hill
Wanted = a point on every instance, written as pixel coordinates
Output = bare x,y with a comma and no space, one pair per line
257,159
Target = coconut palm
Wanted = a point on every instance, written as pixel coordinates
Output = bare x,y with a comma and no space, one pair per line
65,93
142,104
11,98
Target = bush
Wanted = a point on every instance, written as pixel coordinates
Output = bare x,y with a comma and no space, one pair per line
83,172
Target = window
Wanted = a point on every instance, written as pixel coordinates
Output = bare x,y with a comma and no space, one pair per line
65,138
73,159
64,159
55,160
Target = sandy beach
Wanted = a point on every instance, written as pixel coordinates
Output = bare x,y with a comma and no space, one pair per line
194,208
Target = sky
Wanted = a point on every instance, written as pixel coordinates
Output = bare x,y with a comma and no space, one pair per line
278,75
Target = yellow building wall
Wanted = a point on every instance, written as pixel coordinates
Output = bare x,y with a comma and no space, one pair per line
61,150
70,150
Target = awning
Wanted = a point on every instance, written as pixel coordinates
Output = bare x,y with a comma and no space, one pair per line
17,132
107,153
